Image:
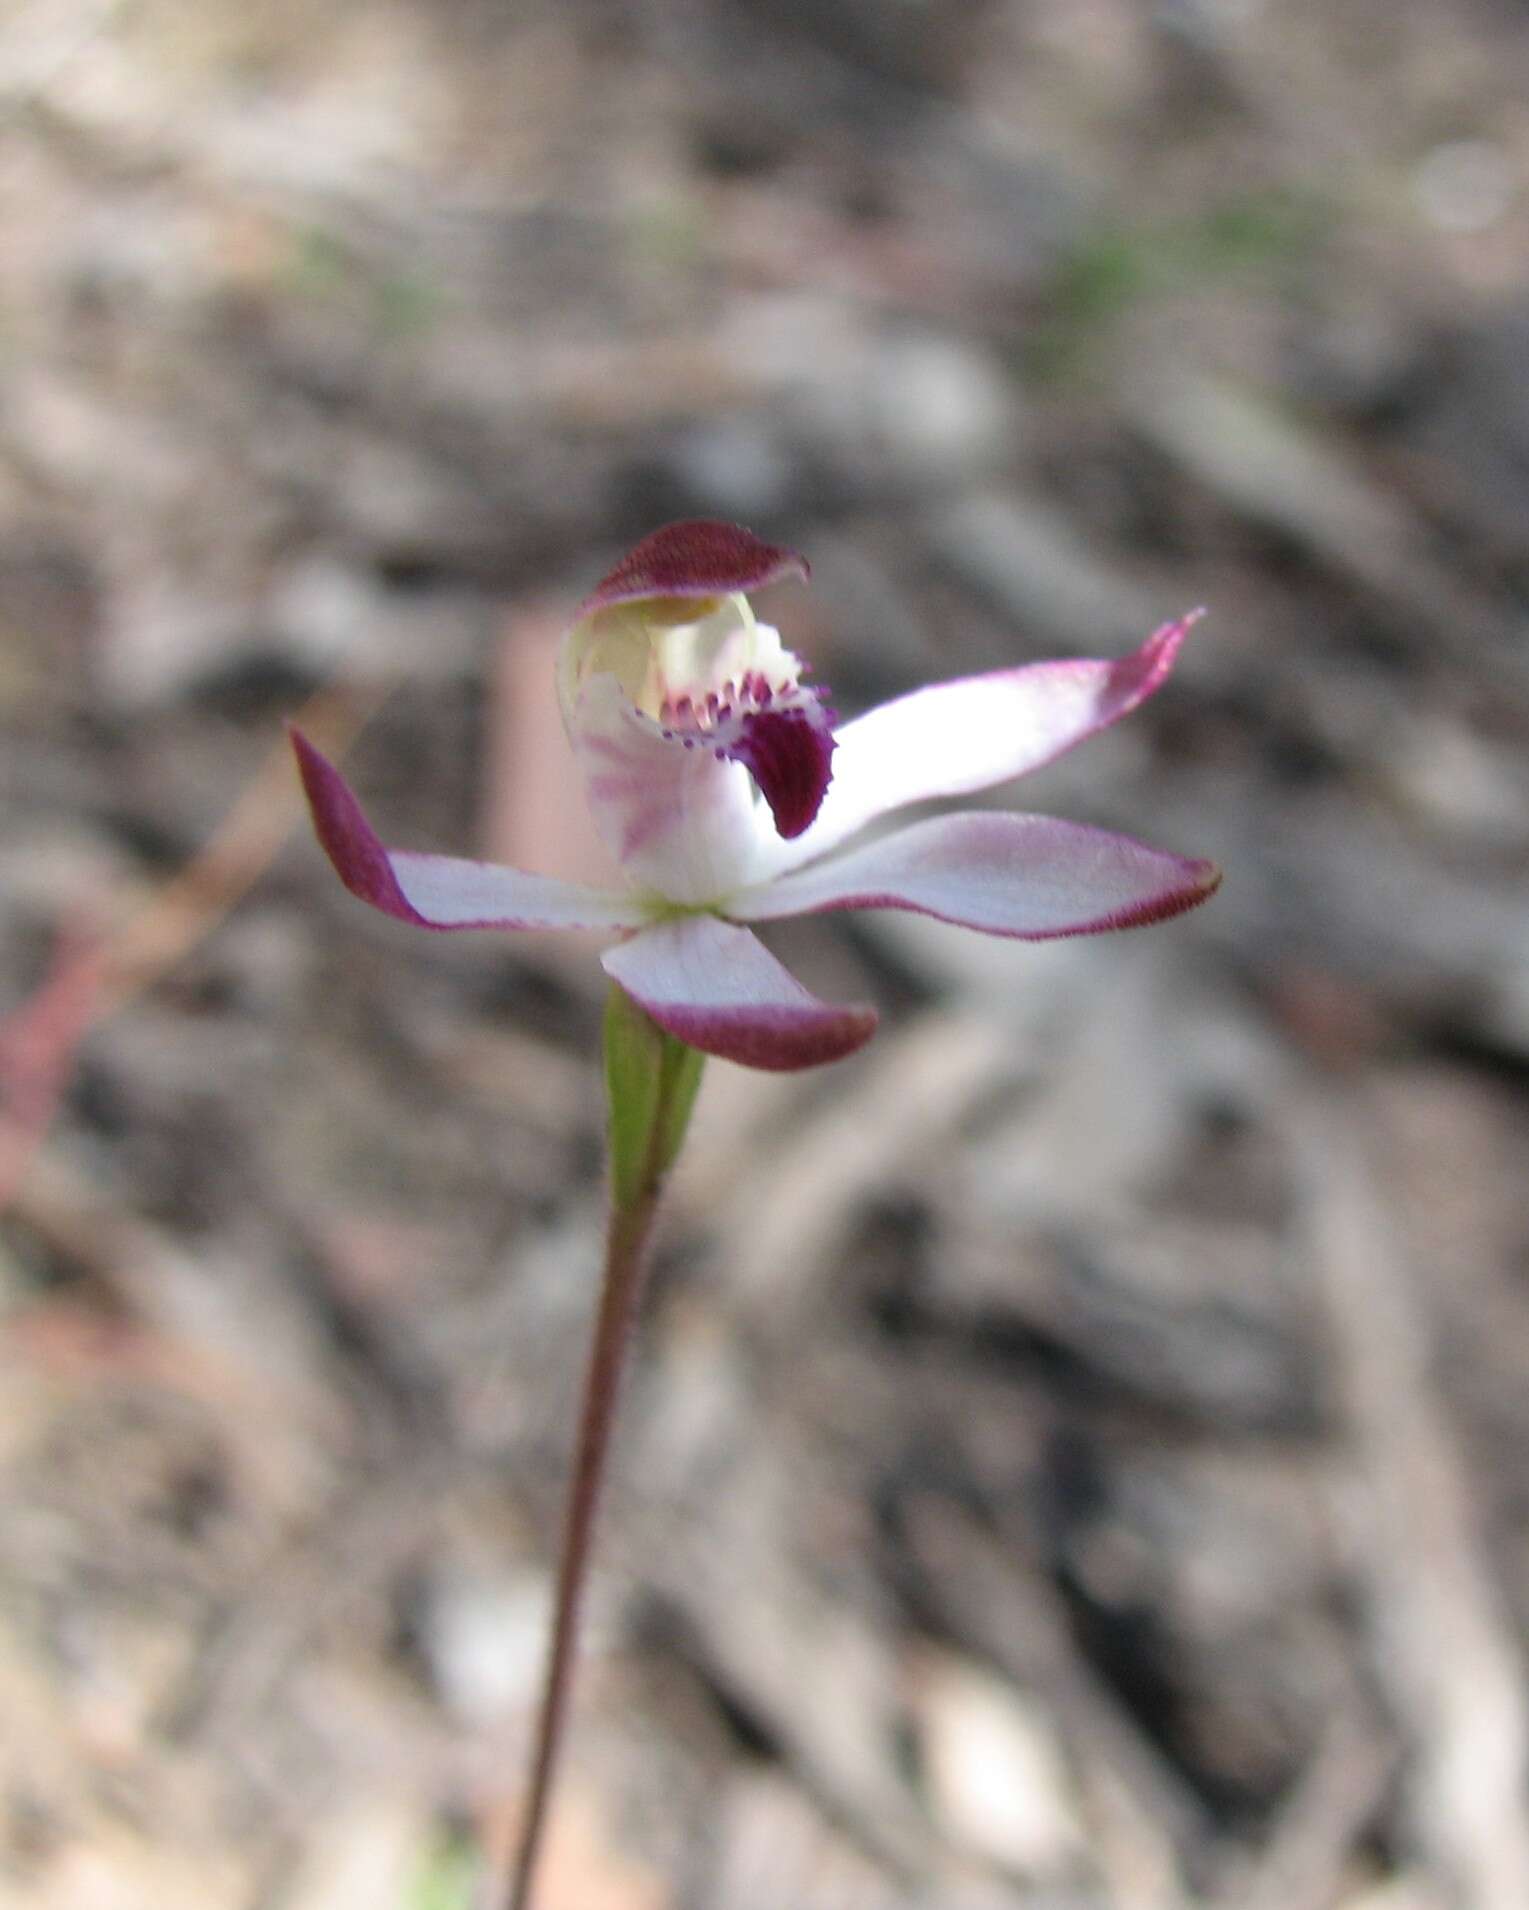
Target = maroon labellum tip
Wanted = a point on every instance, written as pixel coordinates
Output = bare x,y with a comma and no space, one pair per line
789,753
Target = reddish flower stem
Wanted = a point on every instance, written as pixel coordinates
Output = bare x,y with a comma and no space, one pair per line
626,1261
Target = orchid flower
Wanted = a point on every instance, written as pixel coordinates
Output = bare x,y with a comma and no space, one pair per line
728,797
718,779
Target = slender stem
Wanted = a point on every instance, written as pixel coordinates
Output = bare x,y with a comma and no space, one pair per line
631,1220
625,1264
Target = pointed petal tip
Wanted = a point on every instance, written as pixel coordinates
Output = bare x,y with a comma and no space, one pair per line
700,557
1200,883
345,835
1202,879
1146,669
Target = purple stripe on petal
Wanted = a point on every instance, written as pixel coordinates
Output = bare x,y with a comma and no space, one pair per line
680,823
1032,877
442,892
717,987
698,558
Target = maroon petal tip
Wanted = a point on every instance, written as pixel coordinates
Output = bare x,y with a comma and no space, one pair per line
697,558
777,1042
713,985
1204,880
347,838
1136,677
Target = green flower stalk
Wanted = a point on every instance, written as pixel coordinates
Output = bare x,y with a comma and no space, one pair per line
651,1082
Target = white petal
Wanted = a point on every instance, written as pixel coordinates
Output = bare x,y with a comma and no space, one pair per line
1033,877
956,738
443,891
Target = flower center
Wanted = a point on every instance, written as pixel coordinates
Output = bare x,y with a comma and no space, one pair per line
708,675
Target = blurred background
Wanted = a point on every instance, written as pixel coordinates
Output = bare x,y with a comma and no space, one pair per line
1076,1456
